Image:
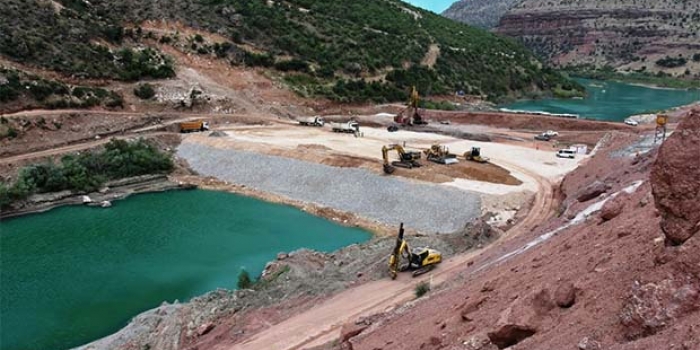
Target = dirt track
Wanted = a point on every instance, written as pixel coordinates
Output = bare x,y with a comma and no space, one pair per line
323,323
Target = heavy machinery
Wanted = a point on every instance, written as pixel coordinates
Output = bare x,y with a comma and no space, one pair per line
311,121
410,116
194,126
349,127
419,260
475,155
440,154
407,159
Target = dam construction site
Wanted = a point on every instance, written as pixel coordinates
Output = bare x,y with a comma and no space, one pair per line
200,182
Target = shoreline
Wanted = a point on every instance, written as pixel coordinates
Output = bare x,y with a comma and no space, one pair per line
115,190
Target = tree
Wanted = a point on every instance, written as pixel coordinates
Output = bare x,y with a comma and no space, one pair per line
145,91
244,281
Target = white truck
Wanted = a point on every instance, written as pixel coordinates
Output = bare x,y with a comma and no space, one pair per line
349,127
312,121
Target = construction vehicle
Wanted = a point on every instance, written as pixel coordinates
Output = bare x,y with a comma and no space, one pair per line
410,116
419,260
406,159
475,155
440,154
349,127
194,126
312,121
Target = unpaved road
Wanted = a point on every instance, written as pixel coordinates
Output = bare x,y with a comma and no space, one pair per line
322,324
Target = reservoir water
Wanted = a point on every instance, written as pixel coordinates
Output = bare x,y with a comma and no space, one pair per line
75,274
609,100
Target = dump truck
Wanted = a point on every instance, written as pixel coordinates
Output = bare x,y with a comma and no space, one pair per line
312,121
194,126
349,127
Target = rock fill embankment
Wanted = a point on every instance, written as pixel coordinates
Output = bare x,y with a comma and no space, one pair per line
424,207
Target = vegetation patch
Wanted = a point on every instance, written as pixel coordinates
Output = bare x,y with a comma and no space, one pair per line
336,43
34,91
87,171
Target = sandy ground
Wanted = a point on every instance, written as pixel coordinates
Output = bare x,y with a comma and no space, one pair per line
517,159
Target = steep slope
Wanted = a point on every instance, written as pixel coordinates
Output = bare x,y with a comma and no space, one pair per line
599,276
328,48
641,35
479,13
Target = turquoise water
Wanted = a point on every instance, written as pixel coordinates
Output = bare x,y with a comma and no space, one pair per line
613,101
75,274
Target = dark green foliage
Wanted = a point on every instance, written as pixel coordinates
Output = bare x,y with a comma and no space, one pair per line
258,60
52,94
5,199
89,170
360,38
639,76
244,281
292,65
671,62
422,289
696,57
145,91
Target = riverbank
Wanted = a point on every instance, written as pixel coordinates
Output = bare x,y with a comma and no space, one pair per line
111,191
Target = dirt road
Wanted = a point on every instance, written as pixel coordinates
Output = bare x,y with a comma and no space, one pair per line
323,323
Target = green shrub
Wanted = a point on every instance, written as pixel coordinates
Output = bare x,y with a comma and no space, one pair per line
671,62
145,91
421,289
244,281
696,57
88,171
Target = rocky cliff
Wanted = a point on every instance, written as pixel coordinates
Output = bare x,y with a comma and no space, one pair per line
630,35
479,13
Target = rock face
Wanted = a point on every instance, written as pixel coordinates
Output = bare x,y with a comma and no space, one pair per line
632,34
592,191
675,183
653,306
479,13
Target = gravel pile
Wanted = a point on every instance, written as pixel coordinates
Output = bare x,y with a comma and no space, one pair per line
425,207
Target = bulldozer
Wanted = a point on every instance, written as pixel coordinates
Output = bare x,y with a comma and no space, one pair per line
475,155
410,116
407,159
419,260
440,154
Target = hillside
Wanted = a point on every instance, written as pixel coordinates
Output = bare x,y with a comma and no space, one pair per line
364,50
648,36
479,13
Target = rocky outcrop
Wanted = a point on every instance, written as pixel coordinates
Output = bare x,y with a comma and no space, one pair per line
675,184
592,191
479,13
653,306
613,207
626,34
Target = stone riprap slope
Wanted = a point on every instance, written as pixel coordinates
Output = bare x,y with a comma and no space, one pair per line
427,208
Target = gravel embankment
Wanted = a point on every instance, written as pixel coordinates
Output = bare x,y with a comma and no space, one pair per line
425,207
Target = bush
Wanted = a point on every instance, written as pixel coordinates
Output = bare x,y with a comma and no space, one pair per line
696,57
145,91
88,171
421,289
671,62
244,281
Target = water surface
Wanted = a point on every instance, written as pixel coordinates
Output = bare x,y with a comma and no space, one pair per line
612,101
75,274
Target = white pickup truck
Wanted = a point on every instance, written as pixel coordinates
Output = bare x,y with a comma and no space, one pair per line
312,121
349,127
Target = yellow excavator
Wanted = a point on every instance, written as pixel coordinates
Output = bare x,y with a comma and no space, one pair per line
475,155
406,159
419,260
440,154
410,115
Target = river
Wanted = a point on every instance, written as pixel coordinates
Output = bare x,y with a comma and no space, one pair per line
612,101
75,274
